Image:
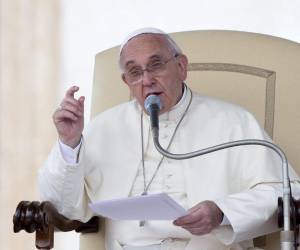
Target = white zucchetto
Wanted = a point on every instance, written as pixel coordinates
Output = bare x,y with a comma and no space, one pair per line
139,32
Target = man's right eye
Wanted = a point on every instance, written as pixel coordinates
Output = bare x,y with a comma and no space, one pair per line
134,72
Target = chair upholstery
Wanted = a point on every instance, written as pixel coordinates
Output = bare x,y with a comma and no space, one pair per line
256,71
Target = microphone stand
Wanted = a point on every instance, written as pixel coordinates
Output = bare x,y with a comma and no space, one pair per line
287,237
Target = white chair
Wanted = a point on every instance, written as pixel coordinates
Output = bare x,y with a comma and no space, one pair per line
259,72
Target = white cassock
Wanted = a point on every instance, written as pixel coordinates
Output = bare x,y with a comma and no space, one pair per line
239,180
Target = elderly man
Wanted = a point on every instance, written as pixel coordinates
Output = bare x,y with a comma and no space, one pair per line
231,194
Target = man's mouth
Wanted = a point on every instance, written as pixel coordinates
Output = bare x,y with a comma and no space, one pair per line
154,93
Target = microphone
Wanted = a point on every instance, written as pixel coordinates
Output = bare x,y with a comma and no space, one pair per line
153,105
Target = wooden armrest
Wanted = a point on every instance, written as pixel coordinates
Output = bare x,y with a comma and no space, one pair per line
43,218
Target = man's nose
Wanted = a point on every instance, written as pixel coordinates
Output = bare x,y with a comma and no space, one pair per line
148,78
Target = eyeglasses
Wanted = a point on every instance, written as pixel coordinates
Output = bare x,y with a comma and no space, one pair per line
135,74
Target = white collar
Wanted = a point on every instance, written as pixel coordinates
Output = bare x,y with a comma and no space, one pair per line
178,109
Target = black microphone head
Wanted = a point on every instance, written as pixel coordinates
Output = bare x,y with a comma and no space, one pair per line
152,100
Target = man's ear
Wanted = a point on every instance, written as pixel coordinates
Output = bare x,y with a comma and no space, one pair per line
183,63
124,79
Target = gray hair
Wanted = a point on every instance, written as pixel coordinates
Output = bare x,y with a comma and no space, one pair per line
173,45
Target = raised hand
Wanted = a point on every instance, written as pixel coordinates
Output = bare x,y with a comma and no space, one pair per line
69,118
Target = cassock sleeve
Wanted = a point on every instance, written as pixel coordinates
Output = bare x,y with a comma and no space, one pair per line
251,213
63,184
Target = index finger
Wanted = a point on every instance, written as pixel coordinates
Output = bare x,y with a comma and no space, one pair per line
70,92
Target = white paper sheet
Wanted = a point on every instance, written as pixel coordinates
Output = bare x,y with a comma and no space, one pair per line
146,207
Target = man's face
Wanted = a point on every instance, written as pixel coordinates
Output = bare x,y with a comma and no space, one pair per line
145,50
